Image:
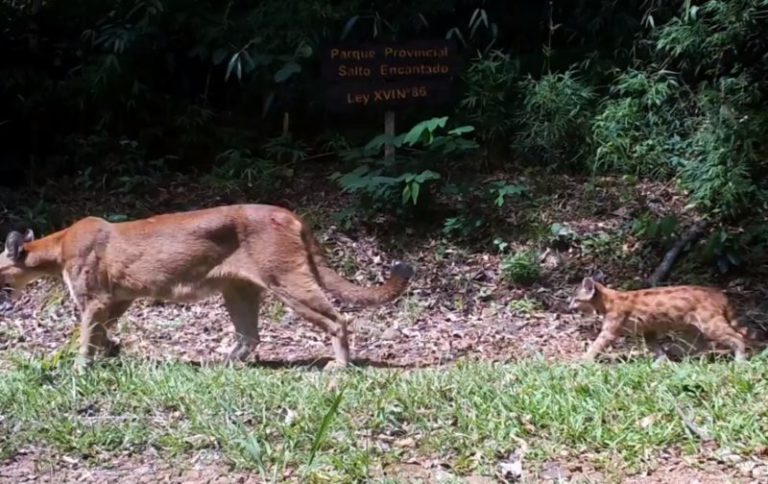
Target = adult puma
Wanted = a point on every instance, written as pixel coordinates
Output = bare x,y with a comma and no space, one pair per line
237,250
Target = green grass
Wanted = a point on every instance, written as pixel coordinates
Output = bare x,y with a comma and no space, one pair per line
470,415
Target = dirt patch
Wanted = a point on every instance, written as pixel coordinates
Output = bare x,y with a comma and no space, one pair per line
46,467
458,307
38,465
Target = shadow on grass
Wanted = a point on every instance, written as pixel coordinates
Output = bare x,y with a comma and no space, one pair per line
310,363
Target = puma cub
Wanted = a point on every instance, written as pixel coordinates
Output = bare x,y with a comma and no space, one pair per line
238,251
650,312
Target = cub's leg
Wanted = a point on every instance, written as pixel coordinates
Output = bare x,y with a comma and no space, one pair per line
689,341
300,291
608,334
718,329
652,342
242,301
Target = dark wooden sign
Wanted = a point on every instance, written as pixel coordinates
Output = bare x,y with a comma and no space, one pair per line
388,74
361,95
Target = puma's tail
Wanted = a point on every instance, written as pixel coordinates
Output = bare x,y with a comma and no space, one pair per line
351,293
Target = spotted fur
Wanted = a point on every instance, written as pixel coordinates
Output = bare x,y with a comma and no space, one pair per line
651,312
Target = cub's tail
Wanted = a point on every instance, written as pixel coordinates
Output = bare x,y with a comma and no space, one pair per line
396,284
754,336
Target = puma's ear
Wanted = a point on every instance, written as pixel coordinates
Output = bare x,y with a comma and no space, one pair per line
29,236
588,286
14,246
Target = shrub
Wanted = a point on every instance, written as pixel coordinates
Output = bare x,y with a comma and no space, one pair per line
554,119
403,182
487,100
640,129
725,169
521,267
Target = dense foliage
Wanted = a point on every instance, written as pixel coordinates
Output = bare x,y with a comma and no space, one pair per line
109,92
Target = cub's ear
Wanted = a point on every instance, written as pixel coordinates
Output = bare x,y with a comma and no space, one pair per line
29,236
588,286
599,277
14,246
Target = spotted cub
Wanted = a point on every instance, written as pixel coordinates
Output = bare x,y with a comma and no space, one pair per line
650,312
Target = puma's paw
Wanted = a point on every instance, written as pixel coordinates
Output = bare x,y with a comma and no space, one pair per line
335,365
240,353
113,349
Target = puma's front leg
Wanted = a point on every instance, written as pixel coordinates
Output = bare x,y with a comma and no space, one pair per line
116,310
242,301
93,334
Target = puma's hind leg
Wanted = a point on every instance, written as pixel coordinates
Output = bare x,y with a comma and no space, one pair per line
302,293
242,301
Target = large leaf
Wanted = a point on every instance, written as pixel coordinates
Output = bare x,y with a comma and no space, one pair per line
461,130
234,61
267,103
304,50
348,26
376,143
290,68
427,127
218,56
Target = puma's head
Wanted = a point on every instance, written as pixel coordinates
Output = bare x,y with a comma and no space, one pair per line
585,296
14,273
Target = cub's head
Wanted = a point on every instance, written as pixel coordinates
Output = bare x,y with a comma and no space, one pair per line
585,297
14,273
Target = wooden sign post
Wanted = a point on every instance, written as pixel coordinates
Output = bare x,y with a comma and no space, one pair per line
389,130
387,75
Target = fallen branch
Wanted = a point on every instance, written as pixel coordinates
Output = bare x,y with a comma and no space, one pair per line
691,236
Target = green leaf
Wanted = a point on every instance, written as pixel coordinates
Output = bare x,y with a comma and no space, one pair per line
117,217
461,130
380,140
218,56
415,188
267,103
416,133
348,26
426,176
325,425
232,61
304,50
456,32
290,68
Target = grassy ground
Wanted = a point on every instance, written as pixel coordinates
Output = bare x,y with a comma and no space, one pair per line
470,417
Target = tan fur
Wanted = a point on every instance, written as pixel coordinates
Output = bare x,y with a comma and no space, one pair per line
650,312
238,251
